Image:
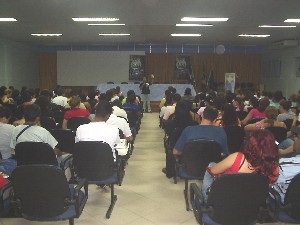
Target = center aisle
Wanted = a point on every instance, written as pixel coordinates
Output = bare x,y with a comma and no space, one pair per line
149,195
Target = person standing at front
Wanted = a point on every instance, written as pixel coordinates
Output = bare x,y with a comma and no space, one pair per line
145,89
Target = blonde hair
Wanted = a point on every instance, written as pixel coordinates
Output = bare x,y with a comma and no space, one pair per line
74,101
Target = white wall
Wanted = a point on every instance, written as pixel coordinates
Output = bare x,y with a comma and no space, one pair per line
287,82
19,65
89,68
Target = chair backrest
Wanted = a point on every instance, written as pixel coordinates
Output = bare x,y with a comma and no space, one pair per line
124,82
35,153
288,123
93,160
48,123
236,198
110,82
198,154
292,197
40,189
235,138
65,138
75,122
280,133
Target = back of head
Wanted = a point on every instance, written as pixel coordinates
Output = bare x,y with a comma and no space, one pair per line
176,97
103,109
31,112
42,101
130,92
131,98
254,101
4,112
46,93
261,152
286,105
210,113
219,102
271,113
188,91
229,117
183,117
74,102
59,91
117,103
263,104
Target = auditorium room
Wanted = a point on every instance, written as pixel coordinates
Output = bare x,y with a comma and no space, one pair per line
149,112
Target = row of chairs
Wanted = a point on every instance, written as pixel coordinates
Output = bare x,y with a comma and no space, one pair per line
233,198
245,199
35,181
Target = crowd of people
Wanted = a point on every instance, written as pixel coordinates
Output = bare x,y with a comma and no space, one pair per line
25,116
269,121
184,118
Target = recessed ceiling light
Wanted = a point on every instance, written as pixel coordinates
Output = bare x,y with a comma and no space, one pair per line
254,35
106,24
206,19
47,35
276,26
292,21
113,34
103,19
192,25
7,20
186,35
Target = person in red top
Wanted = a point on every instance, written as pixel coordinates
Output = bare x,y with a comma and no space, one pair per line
75,111
260,155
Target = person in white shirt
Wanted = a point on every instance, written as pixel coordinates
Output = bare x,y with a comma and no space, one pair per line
99,130
117,109
121,124
60,99
6,131
31,132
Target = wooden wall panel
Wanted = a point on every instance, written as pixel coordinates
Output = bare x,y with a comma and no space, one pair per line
246,66
48,71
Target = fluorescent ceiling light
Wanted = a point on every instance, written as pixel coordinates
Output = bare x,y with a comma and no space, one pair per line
7,20
276,26
192,25
47,35
206,19
254,35
292,21
106,24
186,35
103,19
113,34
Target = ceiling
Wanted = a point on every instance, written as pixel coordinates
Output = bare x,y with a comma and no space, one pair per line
148,21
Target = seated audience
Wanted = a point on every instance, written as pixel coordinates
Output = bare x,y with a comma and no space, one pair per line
31,131
44,103
60,99
75,111
121,124
168,102
163,100
118,109
288,169
132,103
277,97
206,130
99,130
285,112
188,95
6,131
259,112
239,105
259,155
229,117
171,109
